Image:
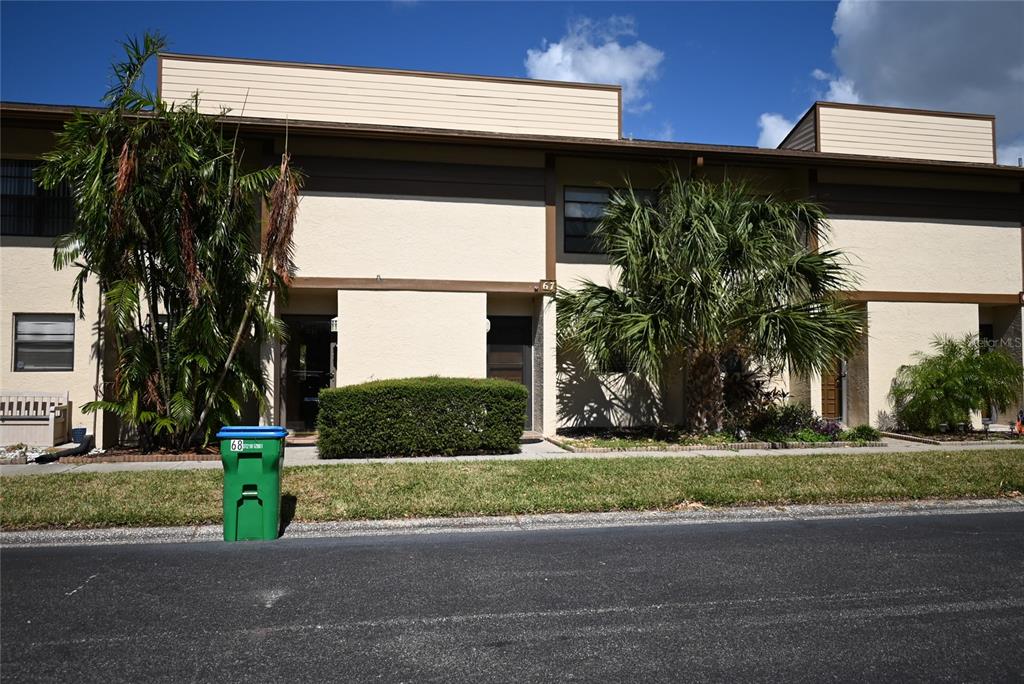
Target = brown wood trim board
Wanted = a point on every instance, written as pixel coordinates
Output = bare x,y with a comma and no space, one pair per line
418,285
932,297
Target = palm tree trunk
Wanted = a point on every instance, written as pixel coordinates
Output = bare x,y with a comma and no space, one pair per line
705,400
672,390
236,344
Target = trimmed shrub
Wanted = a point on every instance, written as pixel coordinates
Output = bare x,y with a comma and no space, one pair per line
421,417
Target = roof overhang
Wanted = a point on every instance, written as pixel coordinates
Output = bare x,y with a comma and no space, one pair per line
11,112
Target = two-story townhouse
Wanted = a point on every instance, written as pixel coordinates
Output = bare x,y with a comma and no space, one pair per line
441,210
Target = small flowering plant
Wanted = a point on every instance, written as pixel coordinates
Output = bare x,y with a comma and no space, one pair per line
831,429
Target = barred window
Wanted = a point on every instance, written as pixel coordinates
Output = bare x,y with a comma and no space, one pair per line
44,342
28,210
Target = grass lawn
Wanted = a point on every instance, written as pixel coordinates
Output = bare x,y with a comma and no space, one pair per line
376,491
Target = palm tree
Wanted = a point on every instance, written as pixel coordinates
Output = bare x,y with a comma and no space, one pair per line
943,388
705,272
167,225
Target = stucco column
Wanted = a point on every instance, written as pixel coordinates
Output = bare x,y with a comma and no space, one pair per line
269,352
814,391
549,369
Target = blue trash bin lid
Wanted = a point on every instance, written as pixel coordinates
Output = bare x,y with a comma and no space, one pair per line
252,432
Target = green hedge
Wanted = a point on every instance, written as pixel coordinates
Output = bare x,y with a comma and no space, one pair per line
421,416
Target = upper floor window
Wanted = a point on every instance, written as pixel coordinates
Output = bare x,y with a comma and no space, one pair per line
28,210
584,208
44,342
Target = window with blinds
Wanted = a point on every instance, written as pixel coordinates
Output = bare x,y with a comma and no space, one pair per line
44,342
584,208
28,210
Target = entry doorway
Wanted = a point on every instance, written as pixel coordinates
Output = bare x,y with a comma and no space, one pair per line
308,368
833,392
510,354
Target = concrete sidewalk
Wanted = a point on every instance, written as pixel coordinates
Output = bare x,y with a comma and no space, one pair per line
307,456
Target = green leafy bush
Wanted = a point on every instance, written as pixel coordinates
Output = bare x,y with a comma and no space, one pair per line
421,416
808,435
862,433
778,422
958,378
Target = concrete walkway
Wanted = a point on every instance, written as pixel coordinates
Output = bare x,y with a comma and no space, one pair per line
307,456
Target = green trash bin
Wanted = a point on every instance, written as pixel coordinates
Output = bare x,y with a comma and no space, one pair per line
252,458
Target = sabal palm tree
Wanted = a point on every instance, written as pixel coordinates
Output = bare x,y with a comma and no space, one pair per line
707,270
167,224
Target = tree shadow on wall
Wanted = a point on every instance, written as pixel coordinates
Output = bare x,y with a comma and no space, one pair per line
588,399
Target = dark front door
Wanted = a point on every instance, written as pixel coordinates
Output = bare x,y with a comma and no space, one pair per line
509,353
307,357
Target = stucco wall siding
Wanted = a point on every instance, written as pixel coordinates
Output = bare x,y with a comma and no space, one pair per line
348,235
395,334
588,399
931,256
350,95
897,330
28,284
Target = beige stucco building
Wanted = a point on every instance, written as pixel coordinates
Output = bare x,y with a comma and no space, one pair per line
441,210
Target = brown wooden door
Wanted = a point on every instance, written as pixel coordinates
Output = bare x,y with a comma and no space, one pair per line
831,394
510,351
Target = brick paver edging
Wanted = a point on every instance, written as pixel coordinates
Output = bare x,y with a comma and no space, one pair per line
952,442
911,438
824,445
138,458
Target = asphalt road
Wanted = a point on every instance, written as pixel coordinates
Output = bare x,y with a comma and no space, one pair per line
936,597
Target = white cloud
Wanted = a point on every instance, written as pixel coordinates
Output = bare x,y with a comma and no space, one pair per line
842,90
774,128
957,56
595,52
954,56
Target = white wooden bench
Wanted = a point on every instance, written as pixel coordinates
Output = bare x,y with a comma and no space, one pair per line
35,418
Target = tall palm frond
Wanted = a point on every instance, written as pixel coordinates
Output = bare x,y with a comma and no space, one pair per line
167,226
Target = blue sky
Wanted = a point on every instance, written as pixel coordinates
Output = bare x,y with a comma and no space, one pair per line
707,72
